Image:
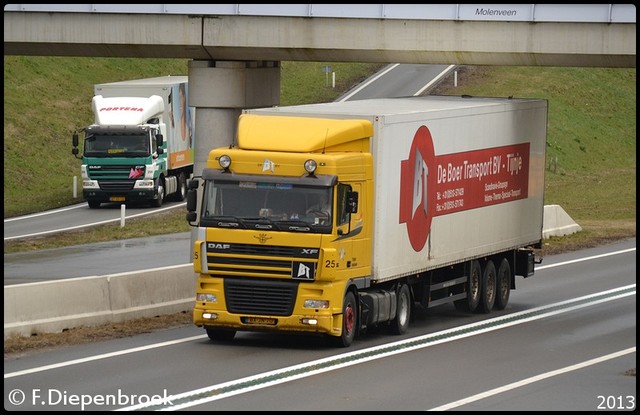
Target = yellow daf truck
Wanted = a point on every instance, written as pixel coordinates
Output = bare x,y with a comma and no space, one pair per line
332,218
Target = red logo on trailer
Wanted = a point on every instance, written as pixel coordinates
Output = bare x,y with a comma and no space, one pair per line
433,186
415,183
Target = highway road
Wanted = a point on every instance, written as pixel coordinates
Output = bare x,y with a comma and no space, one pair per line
102,258
565,342
75,217
399,81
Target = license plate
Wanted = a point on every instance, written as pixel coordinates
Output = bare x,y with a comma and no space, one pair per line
260,320
117,199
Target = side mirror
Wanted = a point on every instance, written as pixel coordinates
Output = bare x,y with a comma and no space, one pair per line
192,201
74,140
352,202
159,140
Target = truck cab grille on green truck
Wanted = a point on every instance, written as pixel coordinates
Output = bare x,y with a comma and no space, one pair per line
119,186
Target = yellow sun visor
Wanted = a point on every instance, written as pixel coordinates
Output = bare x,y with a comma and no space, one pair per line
298,134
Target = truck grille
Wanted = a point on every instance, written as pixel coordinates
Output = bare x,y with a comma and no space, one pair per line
109,172
116,185
240,260
275,298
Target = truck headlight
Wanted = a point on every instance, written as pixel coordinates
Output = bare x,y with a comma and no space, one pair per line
143,184
316,304
224,161
206,298
90,184
310,166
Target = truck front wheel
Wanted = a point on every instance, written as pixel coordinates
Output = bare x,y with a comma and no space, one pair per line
400,324
93,204
161,195
221,335
349,321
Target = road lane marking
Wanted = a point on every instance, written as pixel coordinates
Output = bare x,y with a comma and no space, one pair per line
155,211
102,356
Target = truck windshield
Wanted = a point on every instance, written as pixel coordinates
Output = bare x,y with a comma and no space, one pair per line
274,206
127,145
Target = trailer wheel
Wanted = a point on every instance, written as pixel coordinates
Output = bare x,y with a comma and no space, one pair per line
349,321
221,335
470,304
181,194
503,284
400,324
488,296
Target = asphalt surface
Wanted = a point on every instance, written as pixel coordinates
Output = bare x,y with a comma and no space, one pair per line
103,258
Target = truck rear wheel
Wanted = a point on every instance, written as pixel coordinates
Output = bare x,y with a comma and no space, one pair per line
503,284
488,296
349,321
221,335
470,304
400,324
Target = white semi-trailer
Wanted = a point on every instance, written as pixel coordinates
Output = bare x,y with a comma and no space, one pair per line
431,200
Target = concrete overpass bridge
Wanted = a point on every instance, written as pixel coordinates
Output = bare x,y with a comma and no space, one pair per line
597,35
236,49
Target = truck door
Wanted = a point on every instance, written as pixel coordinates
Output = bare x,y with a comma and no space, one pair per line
353,227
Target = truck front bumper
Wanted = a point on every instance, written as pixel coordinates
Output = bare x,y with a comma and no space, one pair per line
317,323
119,196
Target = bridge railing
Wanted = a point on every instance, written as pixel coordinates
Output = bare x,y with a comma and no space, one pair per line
586,13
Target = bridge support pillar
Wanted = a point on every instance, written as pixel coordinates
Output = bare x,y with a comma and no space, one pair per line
219,90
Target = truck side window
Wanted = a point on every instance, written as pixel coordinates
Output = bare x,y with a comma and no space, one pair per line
343,210
154,144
